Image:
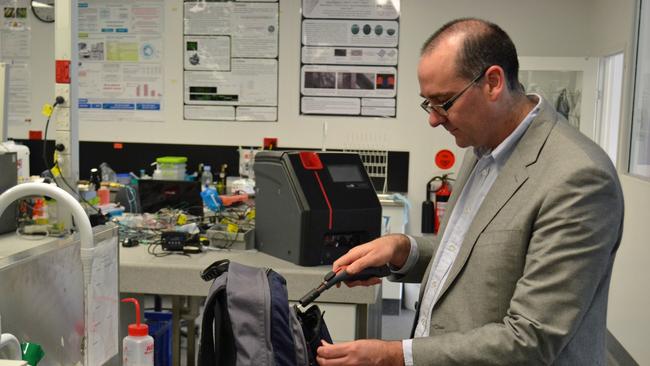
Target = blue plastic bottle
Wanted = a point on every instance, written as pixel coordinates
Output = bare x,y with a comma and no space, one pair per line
160,328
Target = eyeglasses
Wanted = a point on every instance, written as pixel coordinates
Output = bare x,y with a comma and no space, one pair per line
442,109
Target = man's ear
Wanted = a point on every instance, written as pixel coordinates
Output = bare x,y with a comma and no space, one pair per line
495,80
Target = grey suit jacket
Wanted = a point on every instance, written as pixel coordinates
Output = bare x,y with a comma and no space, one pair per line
530,283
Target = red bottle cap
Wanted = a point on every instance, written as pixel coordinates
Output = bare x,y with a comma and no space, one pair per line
137,329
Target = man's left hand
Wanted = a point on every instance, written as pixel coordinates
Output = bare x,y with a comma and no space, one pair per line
361,352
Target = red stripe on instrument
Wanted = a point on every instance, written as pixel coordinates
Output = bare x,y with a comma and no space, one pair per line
327,200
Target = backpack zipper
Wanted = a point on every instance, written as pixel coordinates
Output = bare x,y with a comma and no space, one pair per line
267,314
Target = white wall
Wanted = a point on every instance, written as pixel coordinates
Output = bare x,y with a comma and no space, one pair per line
539,28
527,22
629,299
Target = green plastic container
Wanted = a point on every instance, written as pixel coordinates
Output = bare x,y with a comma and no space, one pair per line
32,353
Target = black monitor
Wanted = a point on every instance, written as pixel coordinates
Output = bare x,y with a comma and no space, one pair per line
176,194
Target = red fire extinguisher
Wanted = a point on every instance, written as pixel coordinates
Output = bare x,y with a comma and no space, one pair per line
442,197
432,211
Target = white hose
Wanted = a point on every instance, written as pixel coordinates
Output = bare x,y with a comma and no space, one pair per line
9,341
61,196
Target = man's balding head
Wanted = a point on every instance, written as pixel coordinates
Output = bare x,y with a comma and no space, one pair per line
483,44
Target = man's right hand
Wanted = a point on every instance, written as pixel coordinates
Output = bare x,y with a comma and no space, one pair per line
389,249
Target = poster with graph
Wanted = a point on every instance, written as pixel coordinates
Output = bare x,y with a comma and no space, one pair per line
121,56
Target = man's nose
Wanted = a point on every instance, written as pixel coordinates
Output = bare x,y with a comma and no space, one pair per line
436,119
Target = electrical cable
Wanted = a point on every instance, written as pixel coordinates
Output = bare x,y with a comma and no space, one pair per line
151,249
99,212
141,235
58,100
47,124
131,197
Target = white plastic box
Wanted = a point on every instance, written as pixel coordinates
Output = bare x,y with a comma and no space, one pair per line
177,173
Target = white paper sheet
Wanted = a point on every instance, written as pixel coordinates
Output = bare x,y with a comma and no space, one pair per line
320,105
208,53
350,55
355,33
103,303
356,9
252,82
252,26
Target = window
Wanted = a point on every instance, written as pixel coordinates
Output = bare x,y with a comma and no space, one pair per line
568,83
640,139
610,83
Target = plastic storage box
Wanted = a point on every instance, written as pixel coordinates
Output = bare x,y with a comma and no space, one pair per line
242,240
170,168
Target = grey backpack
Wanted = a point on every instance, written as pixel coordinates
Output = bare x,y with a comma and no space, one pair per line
247,320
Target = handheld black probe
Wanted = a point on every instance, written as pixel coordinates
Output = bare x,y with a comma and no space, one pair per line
332,278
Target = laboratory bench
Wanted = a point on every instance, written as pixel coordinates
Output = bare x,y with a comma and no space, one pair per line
351,313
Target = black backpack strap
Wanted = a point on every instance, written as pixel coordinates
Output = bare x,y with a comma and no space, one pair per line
206,344
282,337
215,270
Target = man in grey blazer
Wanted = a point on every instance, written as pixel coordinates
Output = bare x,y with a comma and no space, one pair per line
520,272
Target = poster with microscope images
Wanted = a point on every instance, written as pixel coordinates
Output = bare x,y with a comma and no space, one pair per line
120,44
349,57
230,52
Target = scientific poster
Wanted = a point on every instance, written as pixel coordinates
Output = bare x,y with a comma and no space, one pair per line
15,46
231,60
121,73
349,57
